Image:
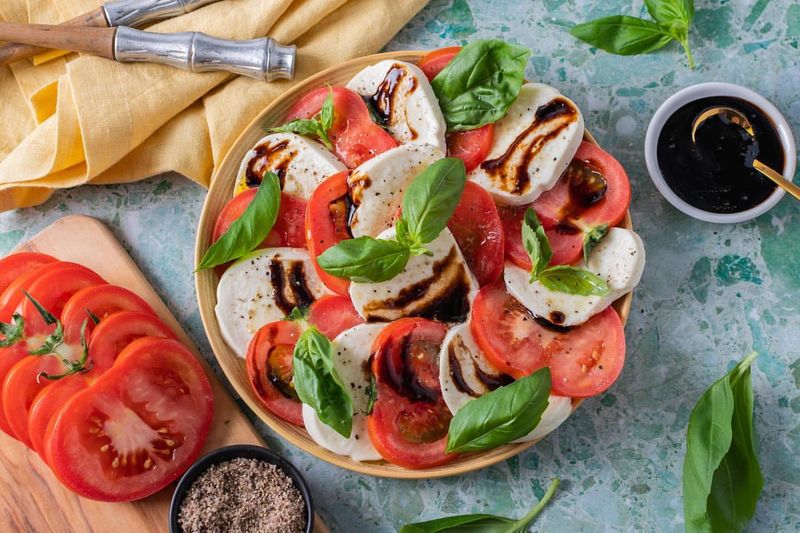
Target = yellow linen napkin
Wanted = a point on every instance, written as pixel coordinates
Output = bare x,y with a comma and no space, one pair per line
78,120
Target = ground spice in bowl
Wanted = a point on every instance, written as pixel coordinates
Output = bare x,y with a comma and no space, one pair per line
243,495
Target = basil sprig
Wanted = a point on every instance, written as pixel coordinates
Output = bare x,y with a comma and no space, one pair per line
500,416
722,479
428,204
626,35
318,126
486,523
250,229
12,331
479,85
318,384
592,239
560,278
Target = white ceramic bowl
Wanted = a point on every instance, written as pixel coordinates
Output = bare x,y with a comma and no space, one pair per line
703,90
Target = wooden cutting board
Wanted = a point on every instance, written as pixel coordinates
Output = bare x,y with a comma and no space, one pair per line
31,498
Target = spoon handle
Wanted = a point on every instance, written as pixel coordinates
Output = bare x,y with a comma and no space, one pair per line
779,180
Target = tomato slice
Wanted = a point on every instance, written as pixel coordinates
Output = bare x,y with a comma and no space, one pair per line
333,315
327,224
270,369
355,137
409,420
20,387
566,242
138,428
288,228
98,301
434,61
46,405
15,265
476,226
584,360
9,357
12,296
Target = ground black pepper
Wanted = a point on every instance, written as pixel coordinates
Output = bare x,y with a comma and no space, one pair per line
243,495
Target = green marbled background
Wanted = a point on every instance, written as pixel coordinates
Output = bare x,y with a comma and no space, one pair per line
709,293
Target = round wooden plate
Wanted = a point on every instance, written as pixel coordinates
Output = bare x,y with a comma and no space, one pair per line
220,192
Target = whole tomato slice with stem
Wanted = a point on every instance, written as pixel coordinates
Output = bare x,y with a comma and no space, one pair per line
18,264
355,137
409,420
288,228
476,226
333,315
270,369
97,303
136,429
327,224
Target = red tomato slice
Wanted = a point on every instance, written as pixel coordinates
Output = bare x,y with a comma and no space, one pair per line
409,420
52,290
48,403
15,265
12,296
101,301
477,229
565,241
138,428
327,224
9,356
21,386
584,360
433,62
333,315
288,228
270,369
355,137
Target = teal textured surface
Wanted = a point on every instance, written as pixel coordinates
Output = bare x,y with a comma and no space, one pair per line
709,294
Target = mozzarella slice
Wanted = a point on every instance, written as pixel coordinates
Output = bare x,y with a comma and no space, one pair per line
404,99
352,349
300,163
377,186
263,288
618,259
465,374
533,144
438,286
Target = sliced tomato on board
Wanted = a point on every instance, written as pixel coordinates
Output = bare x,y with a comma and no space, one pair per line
333,315
47,403
584,360
13,295
288,228
409,421
138,428
327,224
15,265
97,302
21,386
9,357
355,137
476,226
270,369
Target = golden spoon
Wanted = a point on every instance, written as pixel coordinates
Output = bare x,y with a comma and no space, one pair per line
736,117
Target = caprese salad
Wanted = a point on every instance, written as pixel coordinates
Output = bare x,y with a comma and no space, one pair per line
94,382
421,263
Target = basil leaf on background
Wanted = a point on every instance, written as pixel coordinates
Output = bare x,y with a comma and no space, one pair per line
250,229
429,200
592,239
318,384
365,259
318,126
483,523
674,14
481,82
536,243
571,280
722,480
500,416
12,331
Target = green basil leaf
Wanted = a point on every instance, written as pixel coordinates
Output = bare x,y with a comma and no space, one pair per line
671,13
479,85
429,201
298,314
318,384
621,34
536,243
592,239
722,480
326,113
571,280
12,332
483,523
250,229
365,259
498,417
310,127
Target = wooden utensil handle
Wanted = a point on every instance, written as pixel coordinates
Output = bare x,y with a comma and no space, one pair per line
12,52
96,41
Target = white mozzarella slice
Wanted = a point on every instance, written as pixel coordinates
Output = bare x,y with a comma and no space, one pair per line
438,286
465,374
301,164
533,145
352,349
262,288
618,259
404,98
377,185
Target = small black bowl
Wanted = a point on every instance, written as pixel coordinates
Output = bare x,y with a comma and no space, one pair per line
233,452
